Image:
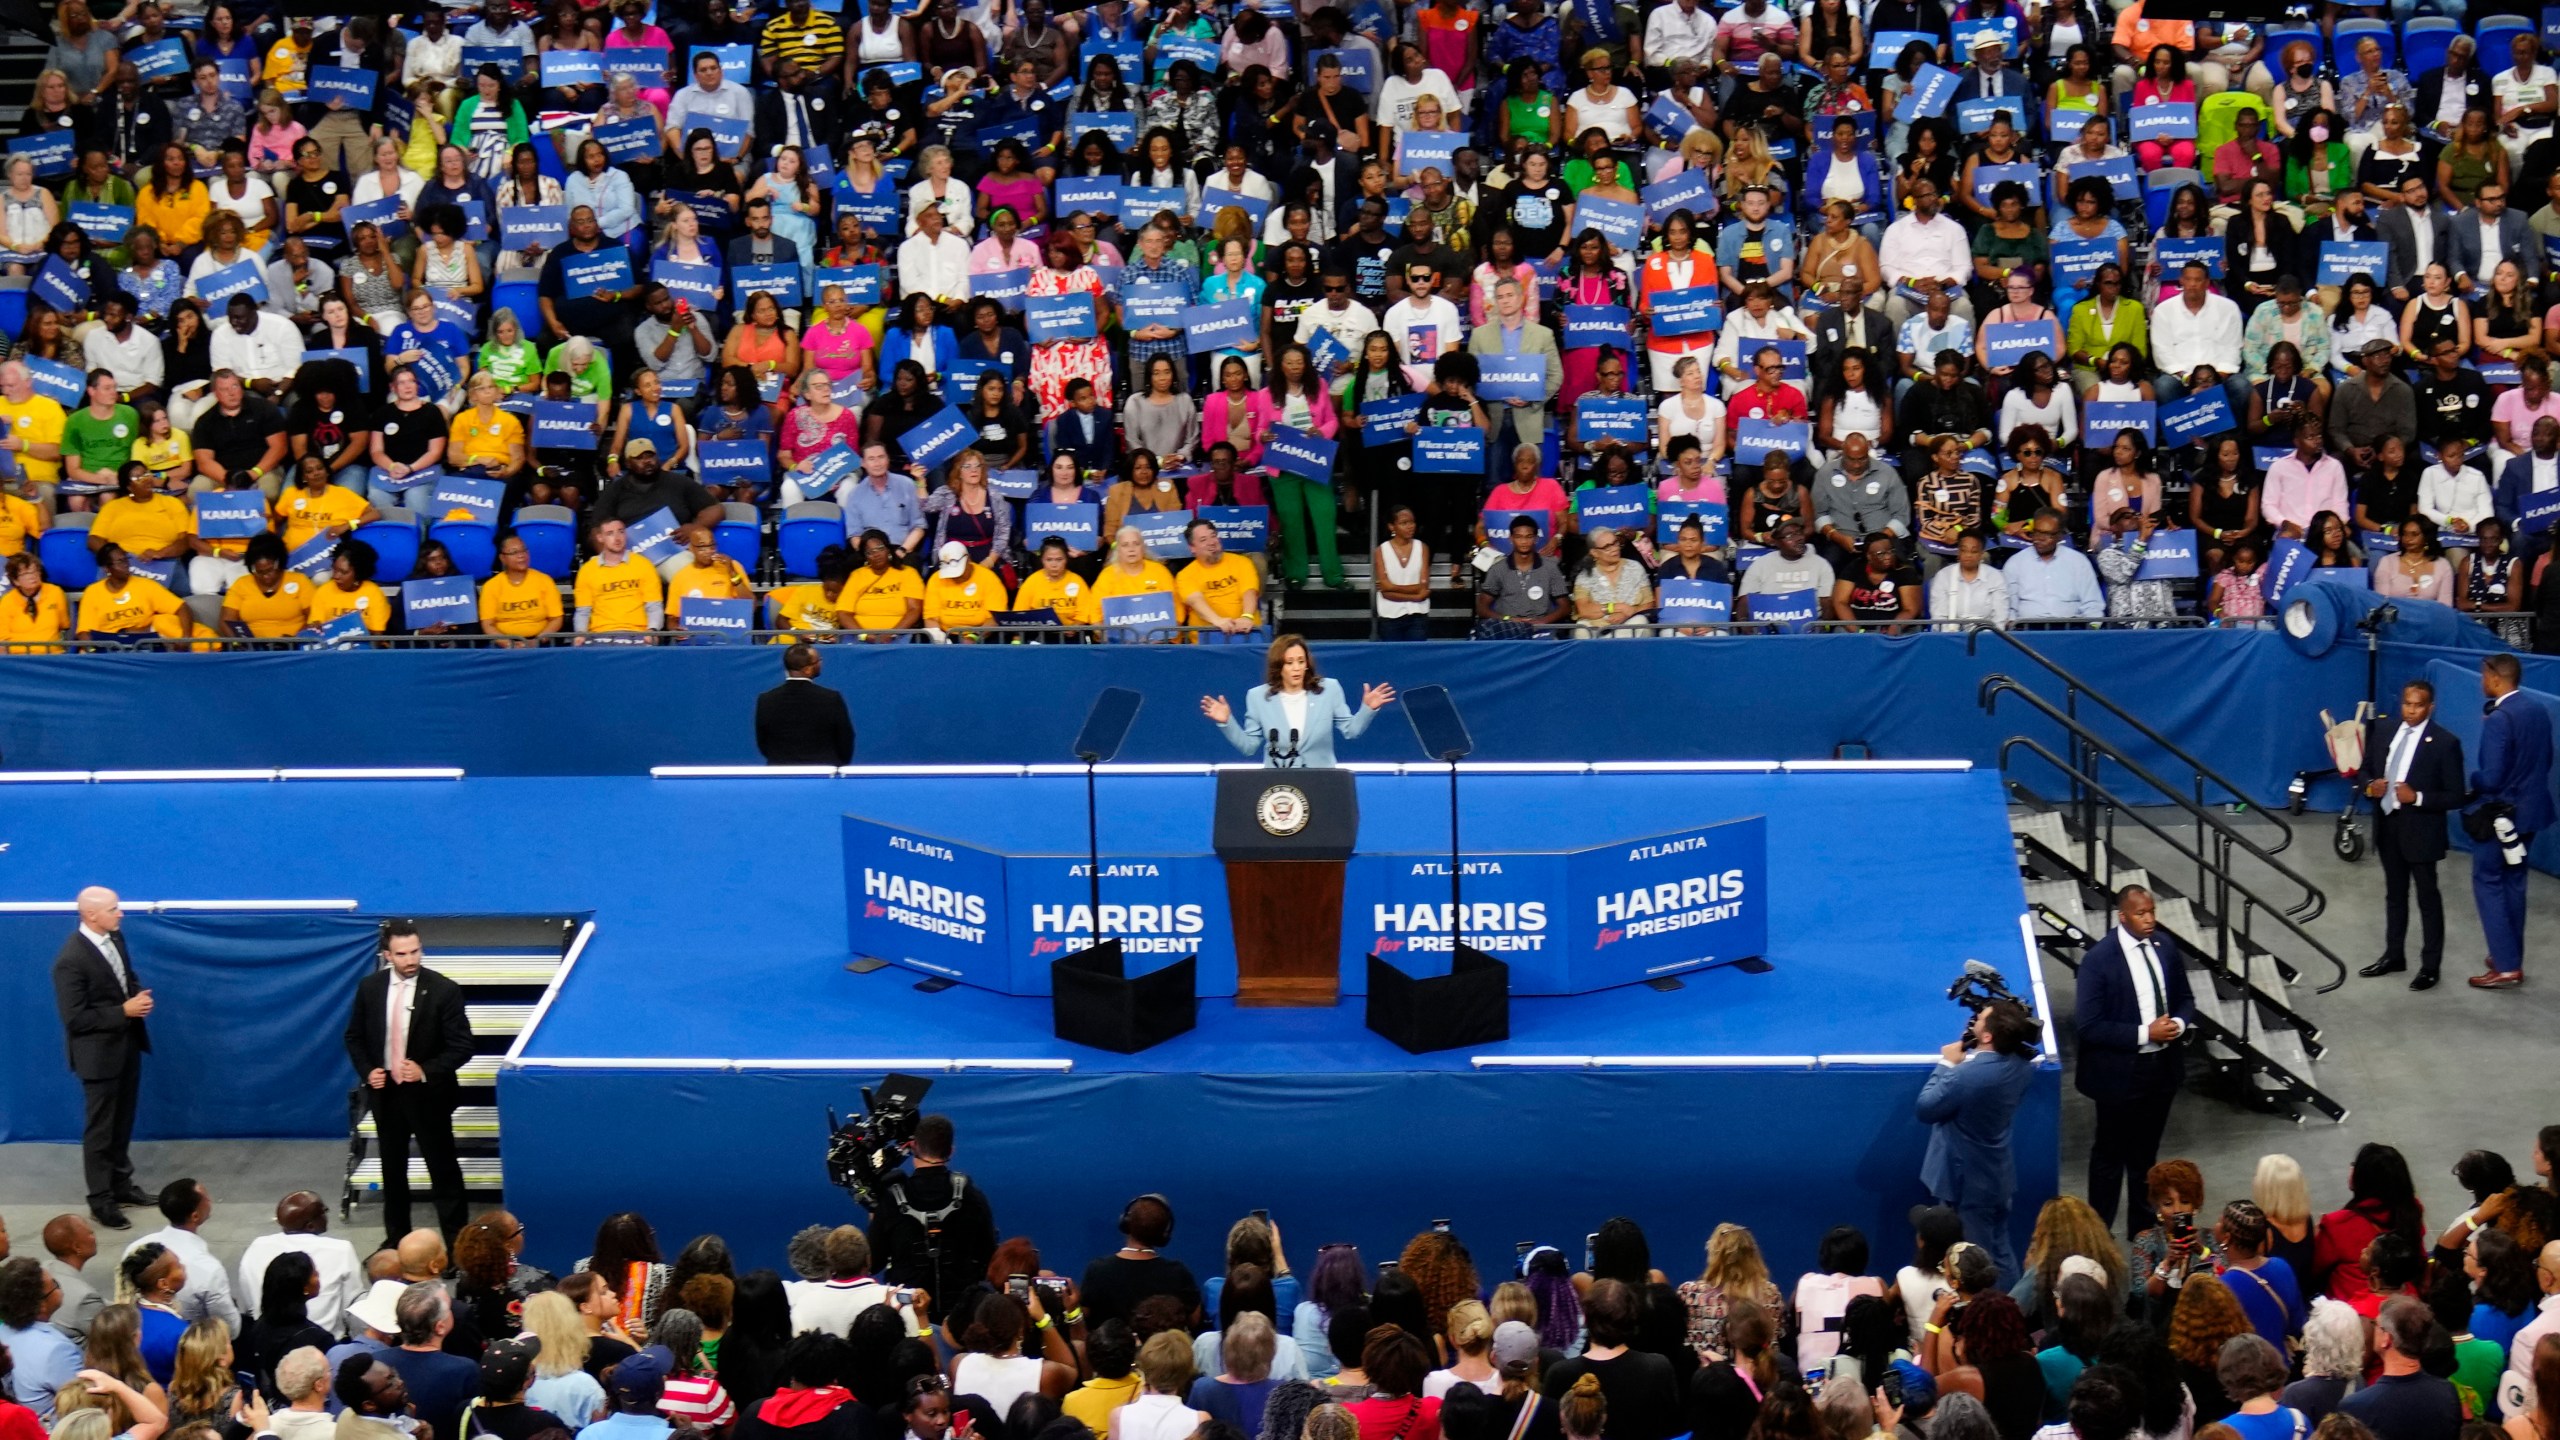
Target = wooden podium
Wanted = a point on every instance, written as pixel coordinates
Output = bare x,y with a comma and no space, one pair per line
1284,835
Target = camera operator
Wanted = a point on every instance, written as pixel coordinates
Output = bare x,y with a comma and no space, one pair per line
932,1228
1969,1103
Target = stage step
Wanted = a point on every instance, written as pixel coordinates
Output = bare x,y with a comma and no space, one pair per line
475,1122
499,1020
482,1071
530,968
480,1174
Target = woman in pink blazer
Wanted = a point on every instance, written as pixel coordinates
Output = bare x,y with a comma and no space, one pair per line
1238,414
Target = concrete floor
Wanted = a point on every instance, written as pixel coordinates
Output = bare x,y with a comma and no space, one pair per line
2434,1074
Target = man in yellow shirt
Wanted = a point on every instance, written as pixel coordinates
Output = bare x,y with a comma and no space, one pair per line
33,433
961,595
1054,587
706,575
1217,590
519,602
883,595
288,67
618,593
147,524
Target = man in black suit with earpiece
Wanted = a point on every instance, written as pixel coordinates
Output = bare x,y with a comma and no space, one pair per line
2413,773
2134,1013
103,1004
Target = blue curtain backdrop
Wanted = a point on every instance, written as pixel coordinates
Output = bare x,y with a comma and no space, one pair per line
2241,698
274,1066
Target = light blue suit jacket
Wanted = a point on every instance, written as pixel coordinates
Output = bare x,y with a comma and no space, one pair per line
1265,724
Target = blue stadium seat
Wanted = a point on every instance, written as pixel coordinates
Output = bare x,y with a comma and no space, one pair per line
740,534
13,309
2350,32
2161,186
474,545
550,536
64,549
2423,42
2279,36
2496,34
394,539
807,528
524,299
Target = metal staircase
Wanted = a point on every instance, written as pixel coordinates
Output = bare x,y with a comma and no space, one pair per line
2258,1048
504,964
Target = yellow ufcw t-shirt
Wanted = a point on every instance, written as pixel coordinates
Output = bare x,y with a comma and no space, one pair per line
144,525
1069,595
305,514
968,601
143,604
45,620
878,600
20,522
1111,584
519,610
617,597
721,580
269,616
486,442
805,607
1223,585
328,602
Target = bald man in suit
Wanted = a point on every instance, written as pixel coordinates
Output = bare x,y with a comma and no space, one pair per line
104,1007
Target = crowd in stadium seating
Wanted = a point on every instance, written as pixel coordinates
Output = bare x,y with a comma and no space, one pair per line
2259,1320
885,321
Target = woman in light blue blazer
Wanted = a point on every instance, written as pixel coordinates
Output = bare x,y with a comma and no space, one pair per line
1293,715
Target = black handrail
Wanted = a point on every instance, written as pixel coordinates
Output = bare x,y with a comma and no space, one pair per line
2272,816
2313,902
2134,813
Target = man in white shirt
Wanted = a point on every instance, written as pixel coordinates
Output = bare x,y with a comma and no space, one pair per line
1338,315
124,350
712,94
2134,1006
186,1205
2515,1388
1423,325
934,261
1969,590
2195,331
1925,253
497,25
1681,30
434,53
850,1288
302,1223
1789,568
258,345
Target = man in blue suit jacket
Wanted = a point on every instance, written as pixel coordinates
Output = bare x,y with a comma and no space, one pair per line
2413,774
2514,772
1970,1102
2516,483
2134,1014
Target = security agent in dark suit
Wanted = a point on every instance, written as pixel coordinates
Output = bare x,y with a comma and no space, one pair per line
1970,1104
801,722
2134,1014
103,1005
407,1038
2416,780
2510,802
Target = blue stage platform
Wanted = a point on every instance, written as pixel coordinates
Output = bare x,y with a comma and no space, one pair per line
686,1062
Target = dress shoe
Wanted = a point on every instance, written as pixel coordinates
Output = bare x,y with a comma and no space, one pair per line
2423,980
2497,980
110,1216
2387,965
132,1194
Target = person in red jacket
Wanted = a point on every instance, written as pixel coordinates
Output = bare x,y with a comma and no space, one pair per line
2382,1198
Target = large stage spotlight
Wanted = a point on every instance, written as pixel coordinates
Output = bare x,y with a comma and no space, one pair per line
2317,617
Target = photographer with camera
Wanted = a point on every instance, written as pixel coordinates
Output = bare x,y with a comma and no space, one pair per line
1970,1103
932,1228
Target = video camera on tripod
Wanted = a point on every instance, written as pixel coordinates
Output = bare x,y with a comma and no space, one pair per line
870,1150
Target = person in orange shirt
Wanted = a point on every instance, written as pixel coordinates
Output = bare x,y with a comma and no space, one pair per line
32,611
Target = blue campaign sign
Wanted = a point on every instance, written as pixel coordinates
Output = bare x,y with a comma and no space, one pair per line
1390,415
2171,556
1975,116
782,282
2196,416
398,113
862,284
237,77
1590,326
51,150
313,558
2163,120
1099,194
385,480
1160,909
1932,86
1669,118
1299,452
475,220
1013,484
1714,523
1161,532
923,902
234,514
717,620
1690,190
1643,909
1886,46
1512,377
1005,287
2343,260
653,536
565,68
2006,343
605,268
939,439
699,284
2289,563
1756,440
2538,511
462,497
563,425
1079,525
1620,223
1154,303
1697,310
344,84
1213,201
64,382
2076,261
1358,73
1498,522
729,133
1120,127
627,140
1791,611
2102,420
900,72
339,632
437,372
1614,417
507,58
1987,178
2063,126
159,59
1059,317
1211,327
732,462
439,600
1397,908
1328,352
382,215
164,572
644,63
1173,48
1961,34
1435,149
876,207
1138,617
1620,507
1027,129
737,62
2175,254
1141,204
61,287
523,226
1246,529
1694,602
105,224
1448,450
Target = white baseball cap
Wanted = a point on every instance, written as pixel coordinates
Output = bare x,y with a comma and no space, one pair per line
955,560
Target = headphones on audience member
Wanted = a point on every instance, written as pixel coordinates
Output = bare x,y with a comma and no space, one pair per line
1125,1210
